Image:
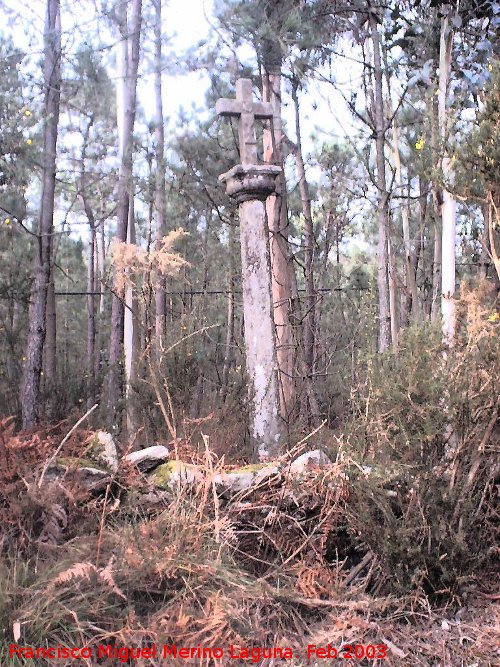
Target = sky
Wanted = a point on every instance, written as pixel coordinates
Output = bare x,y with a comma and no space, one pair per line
185,23
324,113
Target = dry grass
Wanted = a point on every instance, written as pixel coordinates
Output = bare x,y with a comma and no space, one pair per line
404,556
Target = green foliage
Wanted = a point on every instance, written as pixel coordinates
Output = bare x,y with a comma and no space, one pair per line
400,400
481,150
423,500
16,134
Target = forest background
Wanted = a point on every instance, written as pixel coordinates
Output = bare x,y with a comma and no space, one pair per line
121,295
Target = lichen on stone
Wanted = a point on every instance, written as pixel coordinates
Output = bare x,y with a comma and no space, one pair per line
172,472
102,450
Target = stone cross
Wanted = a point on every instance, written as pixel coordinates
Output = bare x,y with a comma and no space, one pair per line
246,110
250,184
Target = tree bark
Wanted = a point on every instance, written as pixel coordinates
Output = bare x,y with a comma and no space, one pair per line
307,361
305,197
92,273
493,220
50,346
130,56
282,270
131,336
411,282
393,300
323,269
382,194
91,320
448,205
160,197
228,352
30,385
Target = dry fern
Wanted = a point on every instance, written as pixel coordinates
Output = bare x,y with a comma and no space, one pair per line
87,571
55,520
83,570
131,262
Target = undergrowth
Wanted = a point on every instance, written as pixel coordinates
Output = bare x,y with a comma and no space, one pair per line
383,546
426,422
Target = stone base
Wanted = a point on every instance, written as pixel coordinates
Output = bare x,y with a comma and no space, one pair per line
246,182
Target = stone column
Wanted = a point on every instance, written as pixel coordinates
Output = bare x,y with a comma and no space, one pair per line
250,186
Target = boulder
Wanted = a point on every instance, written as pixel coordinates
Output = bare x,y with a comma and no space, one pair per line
82,471
147,459
309,460
102,450
244,478
228,483
168,475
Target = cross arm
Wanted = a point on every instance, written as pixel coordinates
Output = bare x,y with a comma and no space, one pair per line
228,107
262,110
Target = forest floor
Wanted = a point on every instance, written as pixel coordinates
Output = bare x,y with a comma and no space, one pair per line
283,565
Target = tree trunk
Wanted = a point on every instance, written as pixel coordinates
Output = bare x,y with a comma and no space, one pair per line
91,320
418,256
311,407
92,273
160,203
131,336
393,300
305,197
493,223
448,205
50,346
411,282
382,194
126,128
328,228
228,352
30,386
100,262
282,270
436,268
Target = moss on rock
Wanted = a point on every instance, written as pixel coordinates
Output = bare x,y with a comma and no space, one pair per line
168,474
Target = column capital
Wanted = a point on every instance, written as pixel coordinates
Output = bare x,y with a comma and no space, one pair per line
246,182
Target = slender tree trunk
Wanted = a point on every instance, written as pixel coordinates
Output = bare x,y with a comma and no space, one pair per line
92,273
411,296
306,361
91,321
131,57
382,194
50,347
328,227
12,337
305,197
484,257
418,257
411,282
30,385
131,335
100,257
436,269
493,224
228,353
393,300
436,203
282,270
448,206
102,254
160,202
